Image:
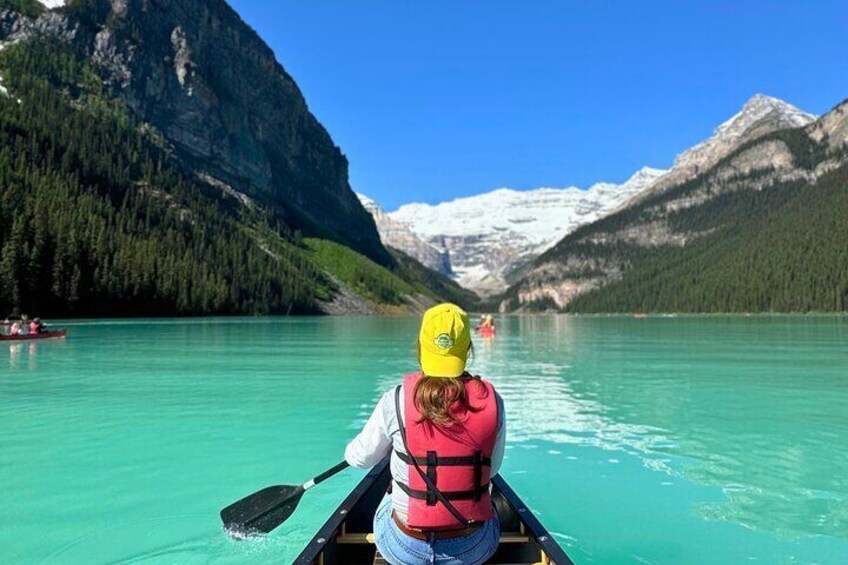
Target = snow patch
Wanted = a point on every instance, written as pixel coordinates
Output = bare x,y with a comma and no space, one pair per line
5,91
541,216
488,234
730,131
52,4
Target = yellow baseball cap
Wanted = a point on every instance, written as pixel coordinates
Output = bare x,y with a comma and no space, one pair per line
445,339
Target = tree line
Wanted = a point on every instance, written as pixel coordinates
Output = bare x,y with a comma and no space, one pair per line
96,219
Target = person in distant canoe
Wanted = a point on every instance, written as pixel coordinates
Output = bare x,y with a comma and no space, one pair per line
33,327
16,328
445,431
40,326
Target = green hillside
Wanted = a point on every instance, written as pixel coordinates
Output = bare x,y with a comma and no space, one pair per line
781,249
430,282
785,250
384,286
97,219
29,8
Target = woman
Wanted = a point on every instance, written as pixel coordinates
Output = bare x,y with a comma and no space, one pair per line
453,424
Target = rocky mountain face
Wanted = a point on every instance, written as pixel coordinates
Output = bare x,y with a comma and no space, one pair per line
198,74
398,235
489,237
680,245
760,115
159,161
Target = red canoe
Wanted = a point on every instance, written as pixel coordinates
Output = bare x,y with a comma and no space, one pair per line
30,337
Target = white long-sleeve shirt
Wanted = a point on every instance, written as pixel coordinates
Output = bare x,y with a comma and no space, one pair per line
381,435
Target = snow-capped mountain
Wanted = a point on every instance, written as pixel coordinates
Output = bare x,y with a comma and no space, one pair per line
729,133
760,115
489,235
398,235
740,156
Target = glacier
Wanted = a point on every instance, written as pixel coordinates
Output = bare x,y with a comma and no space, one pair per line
489,236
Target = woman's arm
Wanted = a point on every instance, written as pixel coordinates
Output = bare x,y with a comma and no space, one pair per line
500,441
373,442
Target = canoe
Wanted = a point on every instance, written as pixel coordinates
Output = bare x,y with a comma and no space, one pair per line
486,332
346,537
32,337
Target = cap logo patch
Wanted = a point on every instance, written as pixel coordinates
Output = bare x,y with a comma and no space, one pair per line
444,341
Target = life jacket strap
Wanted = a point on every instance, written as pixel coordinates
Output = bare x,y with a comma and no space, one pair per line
473,494
470,461
431,474
478,474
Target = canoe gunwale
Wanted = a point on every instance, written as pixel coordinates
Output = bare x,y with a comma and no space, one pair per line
57,334
538,533
326,536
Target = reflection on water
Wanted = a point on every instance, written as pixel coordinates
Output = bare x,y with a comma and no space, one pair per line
22,353
755,407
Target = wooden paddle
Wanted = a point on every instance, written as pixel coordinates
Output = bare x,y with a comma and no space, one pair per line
266,509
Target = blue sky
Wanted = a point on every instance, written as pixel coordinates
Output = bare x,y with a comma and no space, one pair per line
439,99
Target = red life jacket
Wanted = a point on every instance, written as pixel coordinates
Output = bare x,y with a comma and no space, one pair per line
457,459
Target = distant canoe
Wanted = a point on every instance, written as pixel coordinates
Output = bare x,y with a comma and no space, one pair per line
32,337
640,315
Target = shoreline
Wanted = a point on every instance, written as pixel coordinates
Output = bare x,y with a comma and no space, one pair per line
279,317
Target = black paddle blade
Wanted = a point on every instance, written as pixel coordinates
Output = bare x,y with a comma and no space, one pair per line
262,511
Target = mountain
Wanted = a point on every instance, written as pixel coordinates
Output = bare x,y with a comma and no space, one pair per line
399,236
155,158
490,236
752,220
760,115
235,119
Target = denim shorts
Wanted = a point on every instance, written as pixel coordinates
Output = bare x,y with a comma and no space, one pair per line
400,549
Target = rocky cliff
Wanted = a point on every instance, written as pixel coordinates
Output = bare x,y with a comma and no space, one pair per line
198,74
157,160
399,236
760,115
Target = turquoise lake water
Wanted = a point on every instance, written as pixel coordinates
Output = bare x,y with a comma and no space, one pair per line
688,440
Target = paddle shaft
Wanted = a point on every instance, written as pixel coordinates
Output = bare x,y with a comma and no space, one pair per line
325,475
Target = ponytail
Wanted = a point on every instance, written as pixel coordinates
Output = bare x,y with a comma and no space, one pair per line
435,398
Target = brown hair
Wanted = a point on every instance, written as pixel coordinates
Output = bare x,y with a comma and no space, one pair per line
435,397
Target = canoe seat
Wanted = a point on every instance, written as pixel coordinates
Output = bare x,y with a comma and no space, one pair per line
346,537
379,560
